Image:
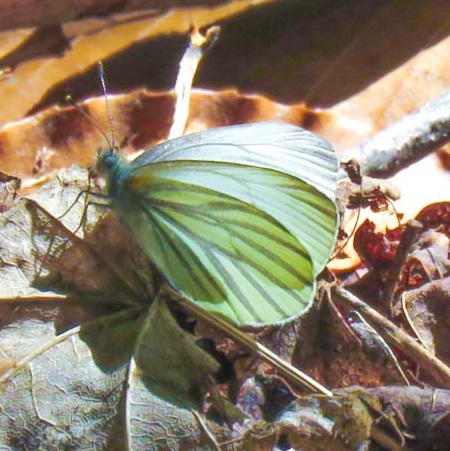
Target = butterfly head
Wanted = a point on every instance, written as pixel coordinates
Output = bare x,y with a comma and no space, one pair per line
112,166
108,161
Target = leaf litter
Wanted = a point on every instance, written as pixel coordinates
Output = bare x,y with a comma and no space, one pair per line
97,375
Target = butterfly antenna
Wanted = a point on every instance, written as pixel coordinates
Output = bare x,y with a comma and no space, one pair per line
101,74
71,102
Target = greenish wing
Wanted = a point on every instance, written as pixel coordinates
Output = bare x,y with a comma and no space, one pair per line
214,230
302,209
306,208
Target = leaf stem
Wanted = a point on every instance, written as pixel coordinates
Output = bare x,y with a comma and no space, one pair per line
284,368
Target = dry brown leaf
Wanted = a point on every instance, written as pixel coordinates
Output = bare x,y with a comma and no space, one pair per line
337,351
32,79
61,136
428,308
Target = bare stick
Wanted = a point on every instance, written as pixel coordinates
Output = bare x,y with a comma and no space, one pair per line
397,338
406,141
189,63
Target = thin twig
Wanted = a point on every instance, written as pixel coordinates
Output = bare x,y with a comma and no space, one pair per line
406,141
21,363
33,298
206,430
397,338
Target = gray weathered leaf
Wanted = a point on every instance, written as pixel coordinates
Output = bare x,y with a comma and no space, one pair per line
73,313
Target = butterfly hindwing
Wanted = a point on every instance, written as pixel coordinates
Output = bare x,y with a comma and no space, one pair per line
225,253
240,219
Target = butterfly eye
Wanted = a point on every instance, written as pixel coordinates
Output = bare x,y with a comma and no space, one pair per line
107,161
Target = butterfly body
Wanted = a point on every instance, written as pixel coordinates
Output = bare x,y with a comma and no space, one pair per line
224,214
